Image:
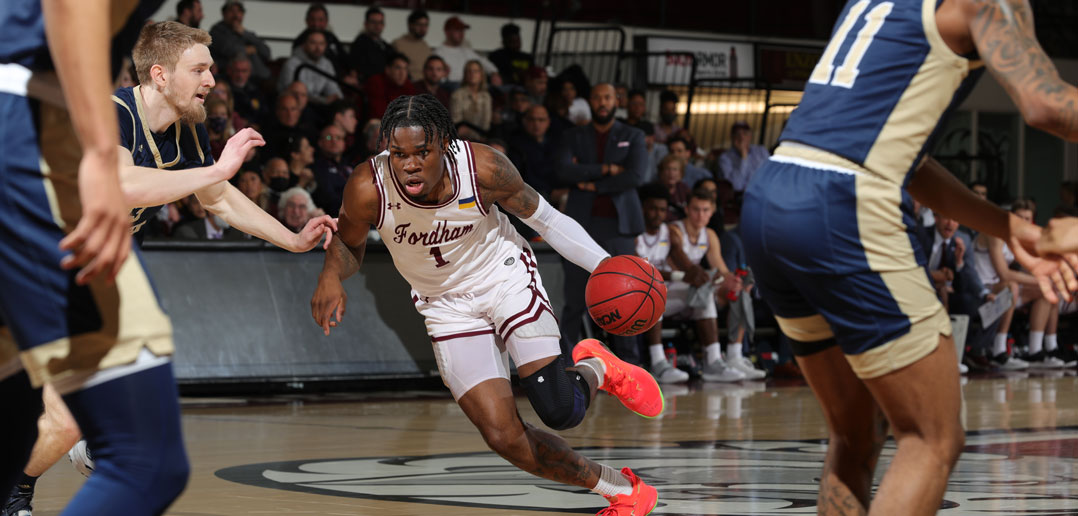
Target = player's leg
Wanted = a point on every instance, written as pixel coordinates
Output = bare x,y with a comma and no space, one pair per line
57,433
140,465
922,402
21,405
857,428
661,368
707,330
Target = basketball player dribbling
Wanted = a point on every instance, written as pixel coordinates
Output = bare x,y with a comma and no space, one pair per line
826,222
474,279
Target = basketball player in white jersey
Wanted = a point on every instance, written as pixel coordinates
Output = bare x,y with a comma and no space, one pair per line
432,199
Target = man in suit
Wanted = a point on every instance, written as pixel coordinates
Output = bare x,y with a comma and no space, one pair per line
603,163
950,265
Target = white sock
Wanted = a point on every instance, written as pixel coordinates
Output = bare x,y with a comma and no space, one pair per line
657,353
597,366
999,346
612,483
1036,338
712,352
733,350
1050,342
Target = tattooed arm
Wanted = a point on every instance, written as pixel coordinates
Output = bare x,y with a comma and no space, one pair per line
359,211
1003,33
499,182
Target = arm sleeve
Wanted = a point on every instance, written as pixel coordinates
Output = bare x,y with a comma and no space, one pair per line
566,236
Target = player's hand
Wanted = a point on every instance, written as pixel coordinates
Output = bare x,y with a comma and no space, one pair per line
329,299
101,241
1060,237
235,151
315,229
1054,273
696,276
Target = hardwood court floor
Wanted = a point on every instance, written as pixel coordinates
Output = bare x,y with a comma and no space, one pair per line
718,449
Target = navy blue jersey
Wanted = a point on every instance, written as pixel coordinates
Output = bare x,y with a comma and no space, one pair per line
178,147
22,31
882,86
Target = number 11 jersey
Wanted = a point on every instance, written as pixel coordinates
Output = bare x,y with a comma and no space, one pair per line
455,247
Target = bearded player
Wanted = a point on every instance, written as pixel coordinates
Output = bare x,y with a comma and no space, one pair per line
474,279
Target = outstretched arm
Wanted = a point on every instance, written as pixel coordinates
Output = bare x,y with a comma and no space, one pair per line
359,211
227,202
500,182
1004,35
145,186
935,187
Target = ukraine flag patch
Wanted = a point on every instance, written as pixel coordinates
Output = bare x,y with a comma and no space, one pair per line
464,204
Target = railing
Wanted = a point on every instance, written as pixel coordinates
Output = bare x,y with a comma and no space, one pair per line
716,104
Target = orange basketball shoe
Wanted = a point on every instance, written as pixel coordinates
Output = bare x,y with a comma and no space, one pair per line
632,385
639,503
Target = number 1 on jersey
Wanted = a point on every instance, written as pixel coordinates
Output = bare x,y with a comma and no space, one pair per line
438,260
846,74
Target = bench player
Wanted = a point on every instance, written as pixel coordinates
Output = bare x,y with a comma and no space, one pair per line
826,222
475,281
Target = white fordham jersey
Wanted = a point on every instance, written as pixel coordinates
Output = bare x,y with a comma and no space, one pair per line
455,247
655,248
695,246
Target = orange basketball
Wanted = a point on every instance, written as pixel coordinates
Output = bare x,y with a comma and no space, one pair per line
625,295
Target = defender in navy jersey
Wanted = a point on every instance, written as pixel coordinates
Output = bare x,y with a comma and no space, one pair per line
435,201
96,335
164,155
826,227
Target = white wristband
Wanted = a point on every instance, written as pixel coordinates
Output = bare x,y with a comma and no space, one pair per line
677,275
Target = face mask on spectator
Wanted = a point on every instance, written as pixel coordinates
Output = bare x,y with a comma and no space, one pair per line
279,184
216,123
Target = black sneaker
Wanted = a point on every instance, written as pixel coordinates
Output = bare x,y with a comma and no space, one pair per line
19,502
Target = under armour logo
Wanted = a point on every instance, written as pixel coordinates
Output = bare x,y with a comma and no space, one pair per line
540,380
390,205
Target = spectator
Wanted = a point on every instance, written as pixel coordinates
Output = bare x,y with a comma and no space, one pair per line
248,100
532,151
388,85
512,64
285,125
535,82
370,139
300,159
671,176
458,53
344,117
604,162
218,125
308,118
681,148
369,50
189,13
295,208
506,121
741,160
434,72
276,178
223,92
636,108
330,170
202,225
623,102
250,184
412,45
318,21
656,151
471,102
667,116
231,39
579,112
948,255
321,89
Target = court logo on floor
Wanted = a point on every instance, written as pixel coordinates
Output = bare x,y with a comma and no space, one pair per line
998,473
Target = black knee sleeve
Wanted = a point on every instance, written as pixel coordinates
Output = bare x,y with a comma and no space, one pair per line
22,406
560,397
804,349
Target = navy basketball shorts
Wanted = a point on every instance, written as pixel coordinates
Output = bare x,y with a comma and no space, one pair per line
57,328
829,246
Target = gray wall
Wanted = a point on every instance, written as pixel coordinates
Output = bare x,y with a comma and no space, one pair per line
242,313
